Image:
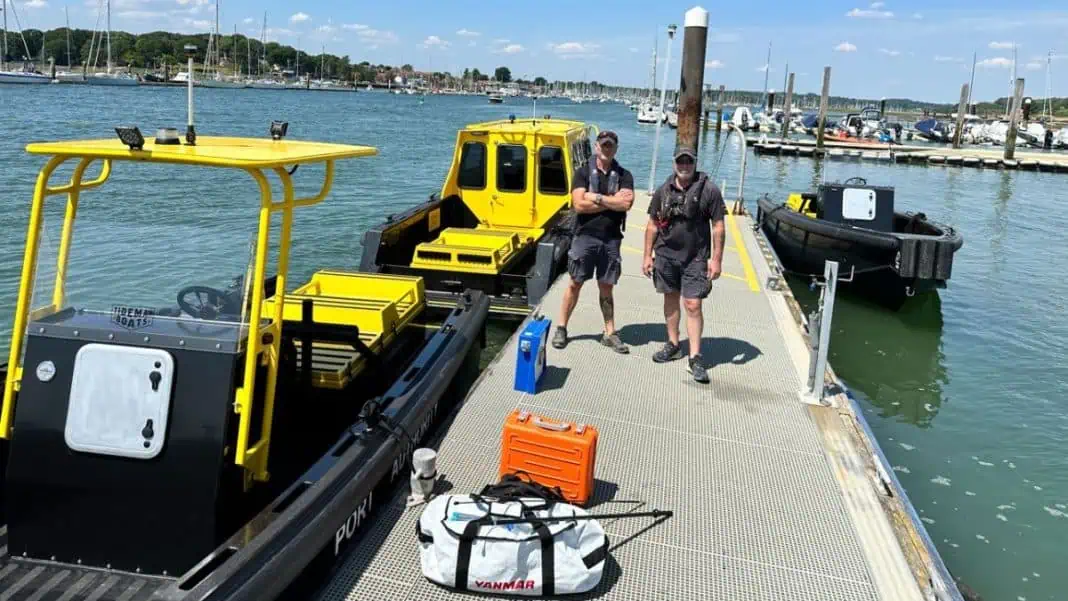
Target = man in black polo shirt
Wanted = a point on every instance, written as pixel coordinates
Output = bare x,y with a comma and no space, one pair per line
686,232
601,194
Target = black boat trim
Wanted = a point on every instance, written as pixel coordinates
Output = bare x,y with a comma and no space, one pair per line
849,233
274,548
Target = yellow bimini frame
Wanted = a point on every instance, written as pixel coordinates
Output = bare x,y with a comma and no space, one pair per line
254,156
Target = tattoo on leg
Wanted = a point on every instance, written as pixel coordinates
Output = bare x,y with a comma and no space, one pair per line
607,307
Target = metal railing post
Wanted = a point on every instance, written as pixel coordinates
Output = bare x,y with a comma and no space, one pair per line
821,326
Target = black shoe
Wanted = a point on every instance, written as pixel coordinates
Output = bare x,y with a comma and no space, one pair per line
615,343
697,368
669,352
560,337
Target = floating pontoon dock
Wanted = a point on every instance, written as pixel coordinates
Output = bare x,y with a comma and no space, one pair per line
1051,162
774,497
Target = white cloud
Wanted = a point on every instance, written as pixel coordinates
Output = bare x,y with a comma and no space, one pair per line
889,52
36,4
714,64
280,31
878,4
998,62
299,17
946,59
354,26
1001,45
200,23
467,33
633,49
434,41
328,28
472,43
511,49
141,14
764,68
193,2
370,36
845,47
569,50
501,41
249,21
1034,66
917,16
861,13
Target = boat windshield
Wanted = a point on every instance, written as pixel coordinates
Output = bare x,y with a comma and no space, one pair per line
175,258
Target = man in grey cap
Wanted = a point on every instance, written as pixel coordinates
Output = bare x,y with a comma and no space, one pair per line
601,194
685,231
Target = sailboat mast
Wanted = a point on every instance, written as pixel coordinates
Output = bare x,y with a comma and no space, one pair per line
3,59
971,83
109,35
767,71
67,15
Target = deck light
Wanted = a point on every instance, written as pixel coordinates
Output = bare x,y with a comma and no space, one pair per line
511,118
278,129
167,136
190,130
131,136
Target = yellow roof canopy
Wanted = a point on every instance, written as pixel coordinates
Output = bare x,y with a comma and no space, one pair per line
211,151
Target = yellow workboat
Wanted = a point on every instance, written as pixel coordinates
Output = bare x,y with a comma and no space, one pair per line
221,446
496,224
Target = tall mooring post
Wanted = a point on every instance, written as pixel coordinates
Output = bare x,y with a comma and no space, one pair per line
961,109
822,123
691,83
719,108
1010,138
786,106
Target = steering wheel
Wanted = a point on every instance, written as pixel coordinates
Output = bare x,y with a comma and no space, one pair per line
206,302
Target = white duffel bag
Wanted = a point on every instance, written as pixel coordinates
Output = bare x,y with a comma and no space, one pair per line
463,546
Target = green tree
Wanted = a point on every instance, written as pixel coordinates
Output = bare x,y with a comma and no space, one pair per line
476,75
540,81
502,74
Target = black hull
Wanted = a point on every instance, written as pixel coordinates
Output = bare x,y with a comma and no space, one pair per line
306,529
390,246
888,267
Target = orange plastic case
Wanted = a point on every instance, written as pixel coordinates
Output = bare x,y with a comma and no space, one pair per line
553,453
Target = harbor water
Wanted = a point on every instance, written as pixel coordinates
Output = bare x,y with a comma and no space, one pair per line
967,390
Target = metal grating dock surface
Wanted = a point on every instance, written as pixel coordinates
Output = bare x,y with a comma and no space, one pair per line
767,505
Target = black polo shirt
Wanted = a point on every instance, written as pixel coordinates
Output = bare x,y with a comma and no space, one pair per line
608,224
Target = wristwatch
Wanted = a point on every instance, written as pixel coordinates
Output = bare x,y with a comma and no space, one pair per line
600,197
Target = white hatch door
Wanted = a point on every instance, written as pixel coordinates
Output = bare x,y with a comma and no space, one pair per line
120,397
858,203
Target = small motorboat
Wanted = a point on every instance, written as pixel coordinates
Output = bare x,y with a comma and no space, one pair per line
496,99
223,448
891,255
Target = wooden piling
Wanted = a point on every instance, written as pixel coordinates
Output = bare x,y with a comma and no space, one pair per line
691,84
719,109
961,108
786,106
1010,138
822,125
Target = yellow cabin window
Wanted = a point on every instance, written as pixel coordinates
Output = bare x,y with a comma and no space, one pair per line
473,166
552,174
511,168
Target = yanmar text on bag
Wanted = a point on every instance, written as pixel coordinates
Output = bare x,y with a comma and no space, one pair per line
463,545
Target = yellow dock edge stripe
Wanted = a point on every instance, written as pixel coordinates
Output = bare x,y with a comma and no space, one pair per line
743,254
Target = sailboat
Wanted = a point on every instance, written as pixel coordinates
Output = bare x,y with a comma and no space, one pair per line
109,77
213,77
69,76
28,75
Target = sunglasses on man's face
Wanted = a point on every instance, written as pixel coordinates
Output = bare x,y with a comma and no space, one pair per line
684,160
608,144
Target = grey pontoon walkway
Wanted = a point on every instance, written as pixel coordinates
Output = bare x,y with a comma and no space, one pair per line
773,498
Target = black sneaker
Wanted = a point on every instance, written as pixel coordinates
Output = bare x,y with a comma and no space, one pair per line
614,342
560,337
697,368
669,352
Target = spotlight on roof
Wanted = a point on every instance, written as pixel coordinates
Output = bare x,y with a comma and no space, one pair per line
131,136
279,129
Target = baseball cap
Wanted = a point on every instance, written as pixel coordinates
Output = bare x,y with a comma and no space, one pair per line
685,151
608,134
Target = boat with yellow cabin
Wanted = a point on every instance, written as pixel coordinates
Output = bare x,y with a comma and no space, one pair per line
499,222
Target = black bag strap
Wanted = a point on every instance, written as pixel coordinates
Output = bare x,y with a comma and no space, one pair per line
514,487
423,537
548,560
463,554
597,555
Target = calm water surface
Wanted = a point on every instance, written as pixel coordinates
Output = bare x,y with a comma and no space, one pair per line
967,392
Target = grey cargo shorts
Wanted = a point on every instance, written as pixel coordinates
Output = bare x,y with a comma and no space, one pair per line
589,255
690,277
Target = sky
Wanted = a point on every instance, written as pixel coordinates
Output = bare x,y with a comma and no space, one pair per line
898,48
